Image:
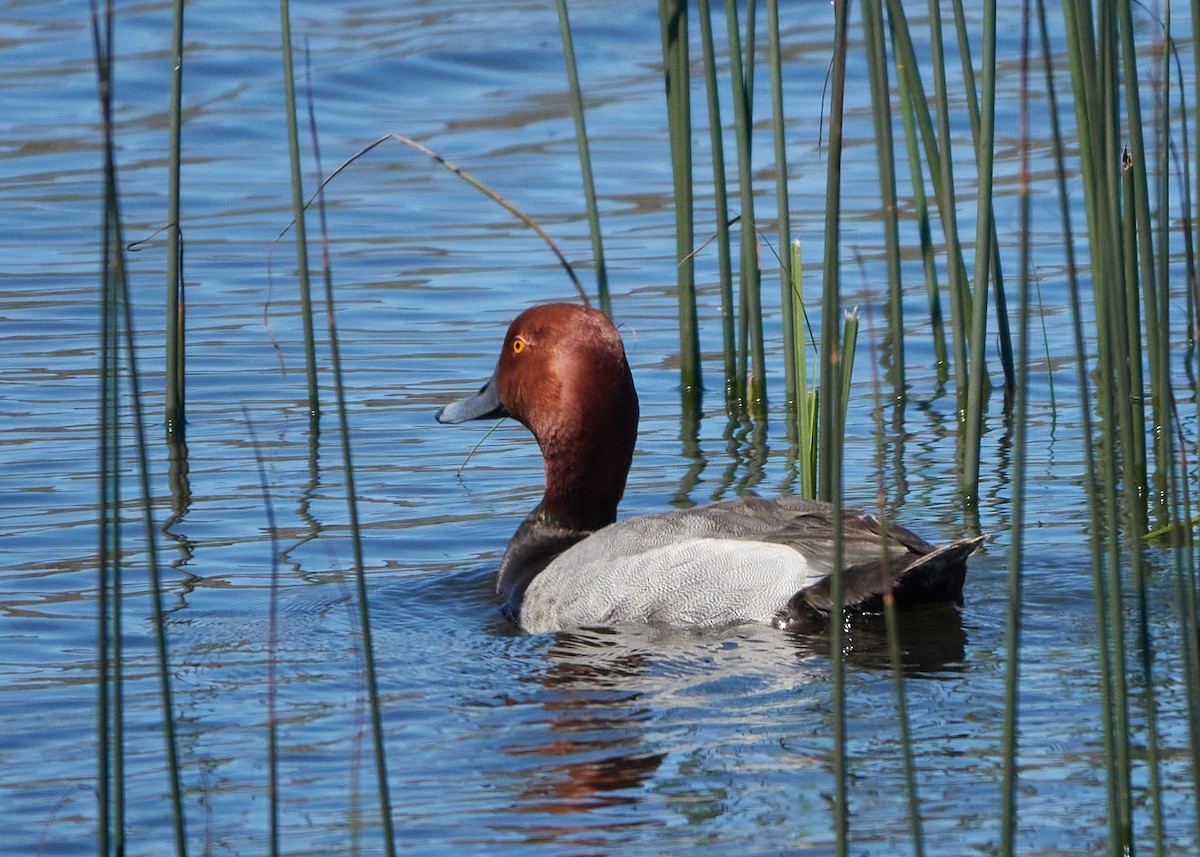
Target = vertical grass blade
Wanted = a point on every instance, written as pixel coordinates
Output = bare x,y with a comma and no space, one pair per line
921,205
977,381
890,613
1091,466
1012,674
831,271
117,319
1094,99
306,311
1003,337
792,384
110,826
829,441
585,159
750,270
360,577
175,391
1139,212
942,175
882,114
673,19
806,396
735,382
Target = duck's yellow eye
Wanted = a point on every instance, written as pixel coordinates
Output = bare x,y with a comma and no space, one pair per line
518,345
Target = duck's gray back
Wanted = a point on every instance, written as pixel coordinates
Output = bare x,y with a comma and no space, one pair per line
709,566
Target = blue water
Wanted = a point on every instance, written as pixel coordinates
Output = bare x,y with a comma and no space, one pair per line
631,741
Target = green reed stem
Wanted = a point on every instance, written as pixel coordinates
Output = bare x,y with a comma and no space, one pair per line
1140,213
984,157
111,827
831,299
1132,434
941,164
830,440
360,576
792,384
1186,593
1096,120
306,309
175,389
846,363
806,395
1008,791
1003,336
585,159
1186,604
1158,331
749,50
1195,291
890,615
673,19
162,662
735,382
1130,351
117,311
881,111
921,206
750,270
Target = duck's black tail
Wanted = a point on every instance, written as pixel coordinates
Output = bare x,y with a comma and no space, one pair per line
913,579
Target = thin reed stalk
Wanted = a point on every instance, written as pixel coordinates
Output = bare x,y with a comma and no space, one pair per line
111,826
1195,283
1092,81
360,577
881,111
792,384
673,17
977,381
921,205
1020,412
891,616
830,440
306,309
831,297
1139,213
175,387
1003,337
1186,604
846,365
750,272
735,382
585,160
117,321
1140,247
1157,330
806,395
942,175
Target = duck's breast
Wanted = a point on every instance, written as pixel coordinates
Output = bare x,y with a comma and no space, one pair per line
679,568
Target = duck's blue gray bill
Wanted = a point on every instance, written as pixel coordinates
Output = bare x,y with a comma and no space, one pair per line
484,405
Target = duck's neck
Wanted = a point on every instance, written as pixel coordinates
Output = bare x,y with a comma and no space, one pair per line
584,484
585,478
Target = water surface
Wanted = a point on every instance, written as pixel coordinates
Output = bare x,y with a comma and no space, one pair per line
630,741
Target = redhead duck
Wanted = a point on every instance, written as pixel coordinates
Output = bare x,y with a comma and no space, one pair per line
562,374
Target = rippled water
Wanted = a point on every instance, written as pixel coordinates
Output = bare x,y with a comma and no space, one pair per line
631,741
